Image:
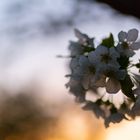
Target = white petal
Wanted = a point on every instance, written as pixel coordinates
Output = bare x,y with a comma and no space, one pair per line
135,46
112,86
101,50
132,35
129,53
137,77
122,36
93,58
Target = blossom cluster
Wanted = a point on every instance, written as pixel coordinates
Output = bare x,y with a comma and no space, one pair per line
104,78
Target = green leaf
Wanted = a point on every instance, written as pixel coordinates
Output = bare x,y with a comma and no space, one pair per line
88,49
109,41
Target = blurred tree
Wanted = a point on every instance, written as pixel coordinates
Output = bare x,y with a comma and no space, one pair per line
125,6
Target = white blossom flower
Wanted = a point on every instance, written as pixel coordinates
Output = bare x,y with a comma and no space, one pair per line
80,77
106,66
127,42
103,58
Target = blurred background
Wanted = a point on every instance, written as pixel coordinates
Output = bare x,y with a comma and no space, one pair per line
34,103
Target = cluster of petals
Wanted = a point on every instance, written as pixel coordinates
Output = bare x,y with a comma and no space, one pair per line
105,67
127,42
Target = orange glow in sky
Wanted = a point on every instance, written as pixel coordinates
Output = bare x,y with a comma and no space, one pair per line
125,131
76,124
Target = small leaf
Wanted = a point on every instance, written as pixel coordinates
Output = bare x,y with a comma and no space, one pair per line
108,42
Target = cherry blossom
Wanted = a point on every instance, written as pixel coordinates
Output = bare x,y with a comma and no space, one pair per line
127,42
105,70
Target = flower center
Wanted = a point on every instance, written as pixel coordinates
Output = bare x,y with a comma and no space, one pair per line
105,58
125,45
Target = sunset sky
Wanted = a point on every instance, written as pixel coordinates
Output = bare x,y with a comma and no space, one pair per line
32,34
